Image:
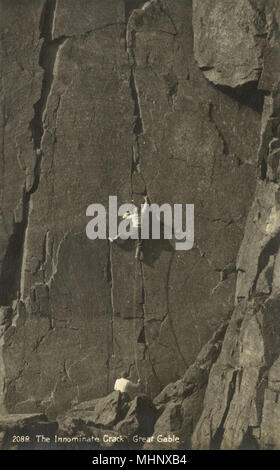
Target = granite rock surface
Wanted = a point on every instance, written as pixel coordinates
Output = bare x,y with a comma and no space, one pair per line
177,100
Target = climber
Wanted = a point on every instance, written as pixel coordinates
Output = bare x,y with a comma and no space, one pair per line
124,385
135,219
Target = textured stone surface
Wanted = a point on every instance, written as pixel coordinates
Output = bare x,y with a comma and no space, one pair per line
105,411
92,127
241,402
180,404
114,97
139,419
192,155
228,40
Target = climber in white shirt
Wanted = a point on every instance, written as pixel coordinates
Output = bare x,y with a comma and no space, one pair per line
136,218
124,385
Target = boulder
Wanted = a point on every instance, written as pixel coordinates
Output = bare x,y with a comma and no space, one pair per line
110,421
140,418
228,40
104,412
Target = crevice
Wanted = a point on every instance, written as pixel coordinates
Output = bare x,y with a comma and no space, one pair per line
111,347
39,341
270,249
11,266
47,59
87,33
218,437
44,256
47,19
220,134
131,5
270,331
138,128
206,68
260,391
3,162
249,442
148,358
246,95
109,270
142,337
167,13
269,133
168,315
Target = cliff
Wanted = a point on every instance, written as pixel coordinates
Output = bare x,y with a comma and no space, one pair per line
178,100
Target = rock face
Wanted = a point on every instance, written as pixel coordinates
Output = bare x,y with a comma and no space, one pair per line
115,97
228,40
180,404
241,402
92,128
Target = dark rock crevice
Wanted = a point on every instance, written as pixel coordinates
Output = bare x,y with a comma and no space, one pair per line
248,95
216,440
270,249
10,277
47,60
138,125
131,5
224,142
111,338
12,264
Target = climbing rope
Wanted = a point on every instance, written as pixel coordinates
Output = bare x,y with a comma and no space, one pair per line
137,264
134,320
